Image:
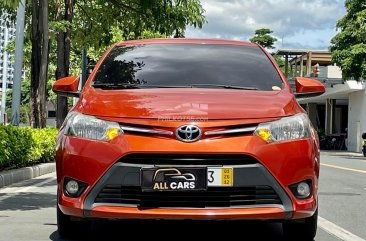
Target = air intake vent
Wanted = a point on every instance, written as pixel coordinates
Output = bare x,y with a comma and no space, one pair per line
213,197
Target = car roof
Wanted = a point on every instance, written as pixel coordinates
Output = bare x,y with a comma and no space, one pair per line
185,41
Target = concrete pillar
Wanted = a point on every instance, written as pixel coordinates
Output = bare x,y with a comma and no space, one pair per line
329,114
295,72
308,64
291,70
4,80
18,64
286,65
301,66
312,110
334,104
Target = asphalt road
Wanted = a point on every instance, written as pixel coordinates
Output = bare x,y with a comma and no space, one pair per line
27,212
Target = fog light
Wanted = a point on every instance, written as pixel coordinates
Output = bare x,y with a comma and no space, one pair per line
73,188
302,190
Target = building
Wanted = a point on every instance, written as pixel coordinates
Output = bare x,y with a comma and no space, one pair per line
7,34
339,114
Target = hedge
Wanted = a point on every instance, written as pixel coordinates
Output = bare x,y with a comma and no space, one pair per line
25,146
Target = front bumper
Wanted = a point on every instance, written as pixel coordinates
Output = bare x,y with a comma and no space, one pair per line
99,164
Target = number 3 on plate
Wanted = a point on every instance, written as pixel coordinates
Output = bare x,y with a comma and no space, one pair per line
211,178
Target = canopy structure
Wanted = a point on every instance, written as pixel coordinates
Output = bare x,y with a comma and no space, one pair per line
304,59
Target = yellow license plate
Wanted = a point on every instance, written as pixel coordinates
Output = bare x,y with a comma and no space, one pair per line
220,176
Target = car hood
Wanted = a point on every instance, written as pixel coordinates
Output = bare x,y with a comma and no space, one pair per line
186,103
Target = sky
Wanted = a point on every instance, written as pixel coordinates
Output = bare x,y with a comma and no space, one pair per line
300,24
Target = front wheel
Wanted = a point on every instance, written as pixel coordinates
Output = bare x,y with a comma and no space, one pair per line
68,228
304,229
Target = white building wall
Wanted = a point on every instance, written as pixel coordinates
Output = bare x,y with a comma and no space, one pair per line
356,120
7,33
50,121
331,71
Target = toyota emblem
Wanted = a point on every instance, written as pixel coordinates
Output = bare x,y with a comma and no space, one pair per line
188,133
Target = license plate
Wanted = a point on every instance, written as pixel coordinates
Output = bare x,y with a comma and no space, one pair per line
174,179
220,176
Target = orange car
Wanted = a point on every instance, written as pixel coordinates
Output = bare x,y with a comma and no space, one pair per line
188,129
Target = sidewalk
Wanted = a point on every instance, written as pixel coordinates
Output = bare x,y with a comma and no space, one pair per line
17,175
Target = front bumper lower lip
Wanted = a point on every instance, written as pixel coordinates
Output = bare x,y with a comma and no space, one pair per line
256,213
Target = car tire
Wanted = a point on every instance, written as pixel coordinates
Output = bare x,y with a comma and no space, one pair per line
68,229
304,229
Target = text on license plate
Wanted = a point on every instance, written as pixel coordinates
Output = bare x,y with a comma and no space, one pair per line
219,176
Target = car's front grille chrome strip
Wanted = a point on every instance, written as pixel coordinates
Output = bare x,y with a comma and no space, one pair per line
231,131
146,131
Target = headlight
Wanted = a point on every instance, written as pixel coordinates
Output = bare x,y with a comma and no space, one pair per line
287,128
89,127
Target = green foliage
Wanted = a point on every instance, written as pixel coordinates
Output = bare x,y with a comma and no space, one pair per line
24,94
280,62
263,37
100,23
146,34
23,146
24,100
44,140
10,4
349,45
19,143
4,152
24,117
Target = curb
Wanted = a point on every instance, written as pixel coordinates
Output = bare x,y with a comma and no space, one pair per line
13,176
342,153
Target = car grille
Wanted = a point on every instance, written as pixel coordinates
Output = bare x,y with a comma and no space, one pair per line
212,197
184,159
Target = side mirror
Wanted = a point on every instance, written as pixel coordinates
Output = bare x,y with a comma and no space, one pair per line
67,86
306,87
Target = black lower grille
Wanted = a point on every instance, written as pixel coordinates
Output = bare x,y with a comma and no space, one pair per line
212,197
188,159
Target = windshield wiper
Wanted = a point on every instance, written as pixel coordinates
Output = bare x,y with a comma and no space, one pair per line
165,86
132,86
115,86
225,86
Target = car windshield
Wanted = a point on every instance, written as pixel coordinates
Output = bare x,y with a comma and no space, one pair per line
188,65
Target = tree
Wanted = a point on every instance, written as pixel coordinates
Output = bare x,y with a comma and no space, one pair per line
280,62
262,37
63,38
39,62
348,47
